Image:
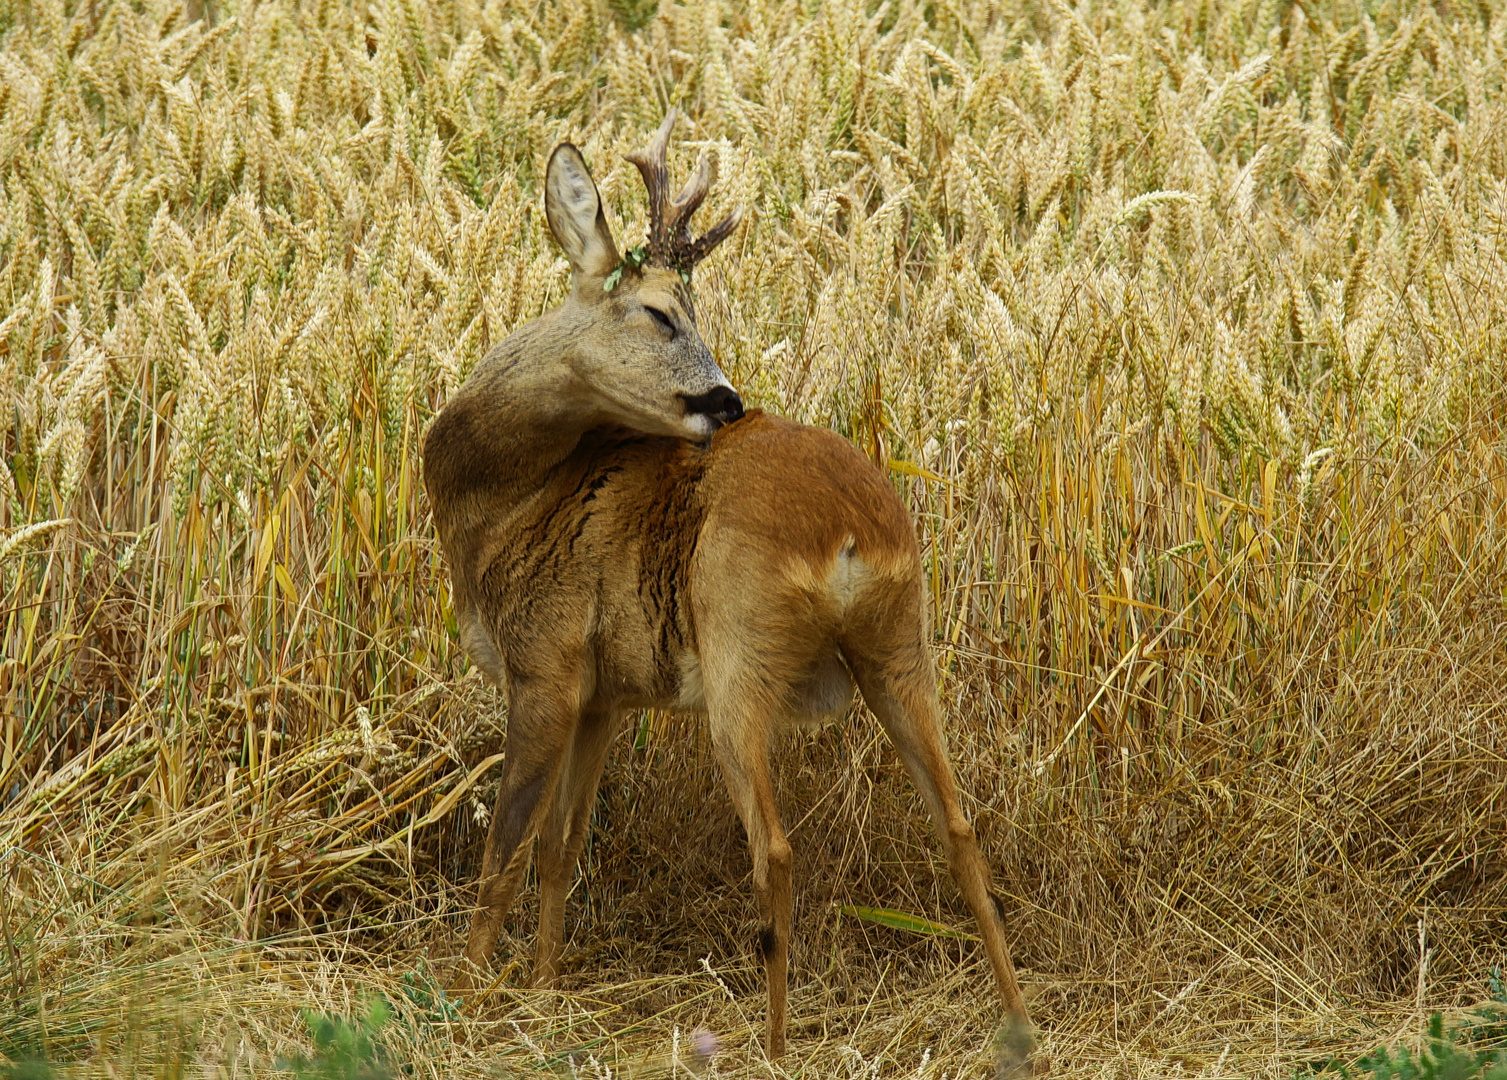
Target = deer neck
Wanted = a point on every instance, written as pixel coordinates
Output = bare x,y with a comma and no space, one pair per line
518,416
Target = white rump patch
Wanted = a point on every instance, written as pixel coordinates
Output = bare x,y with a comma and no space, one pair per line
849,573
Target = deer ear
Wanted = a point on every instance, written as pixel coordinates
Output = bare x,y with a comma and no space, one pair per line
575,214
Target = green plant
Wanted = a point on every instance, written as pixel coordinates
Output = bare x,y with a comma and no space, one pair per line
1444,1055
427,998
26,1068
345,1049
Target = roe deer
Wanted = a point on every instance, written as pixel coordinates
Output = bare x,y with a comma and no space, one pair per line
620,536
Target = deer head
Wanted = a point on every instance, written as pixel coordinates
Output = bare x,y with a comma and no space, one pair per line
633,347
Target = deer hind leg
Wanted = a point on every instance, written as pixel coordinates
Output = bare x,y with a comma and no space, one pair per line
896,680
740,738
563,835
541,724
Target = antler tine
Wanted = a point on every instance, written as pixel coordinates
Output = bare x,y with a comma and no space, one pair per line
678,220
670,244
713,236
653,167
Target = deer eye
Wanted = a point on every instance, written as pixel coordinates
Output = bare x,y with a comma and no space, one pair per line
664,320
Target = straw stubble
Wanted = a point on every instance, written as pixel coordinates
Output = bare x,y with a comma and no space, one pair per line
1179,325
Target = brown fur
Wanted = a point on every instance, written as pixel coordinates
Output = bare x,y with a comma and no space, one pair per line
597,568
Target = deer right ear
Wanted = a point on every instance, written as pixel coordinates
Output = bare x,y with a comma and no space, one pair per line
574,210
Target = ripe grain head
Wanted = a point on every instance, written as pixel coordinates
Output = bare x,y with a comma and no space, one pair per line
1180,327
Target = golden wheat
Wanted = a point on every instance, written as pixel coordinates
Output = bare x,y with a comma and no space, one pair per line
1181,325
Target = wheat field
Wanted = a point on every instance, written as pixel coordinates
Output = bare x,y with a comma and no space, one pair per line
1181,325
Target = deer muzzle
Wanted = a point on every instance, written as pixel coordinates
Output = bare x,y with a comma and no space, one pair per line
717,406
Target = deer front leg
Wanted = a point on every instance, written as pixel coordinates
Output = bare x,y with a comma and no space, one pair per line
542,720
563,835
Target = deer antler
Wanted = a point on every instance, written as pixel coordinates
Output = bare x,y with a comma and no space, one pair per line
670,244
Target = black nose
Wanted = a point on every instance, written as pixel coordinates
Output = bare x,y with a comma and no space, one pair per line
721,403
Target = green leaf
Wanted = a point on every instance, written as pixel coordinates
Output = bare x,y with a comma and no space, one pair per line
901,920
612,279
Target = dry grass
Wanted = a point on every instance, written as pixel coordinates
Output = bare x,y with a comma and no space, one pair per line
1181,325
